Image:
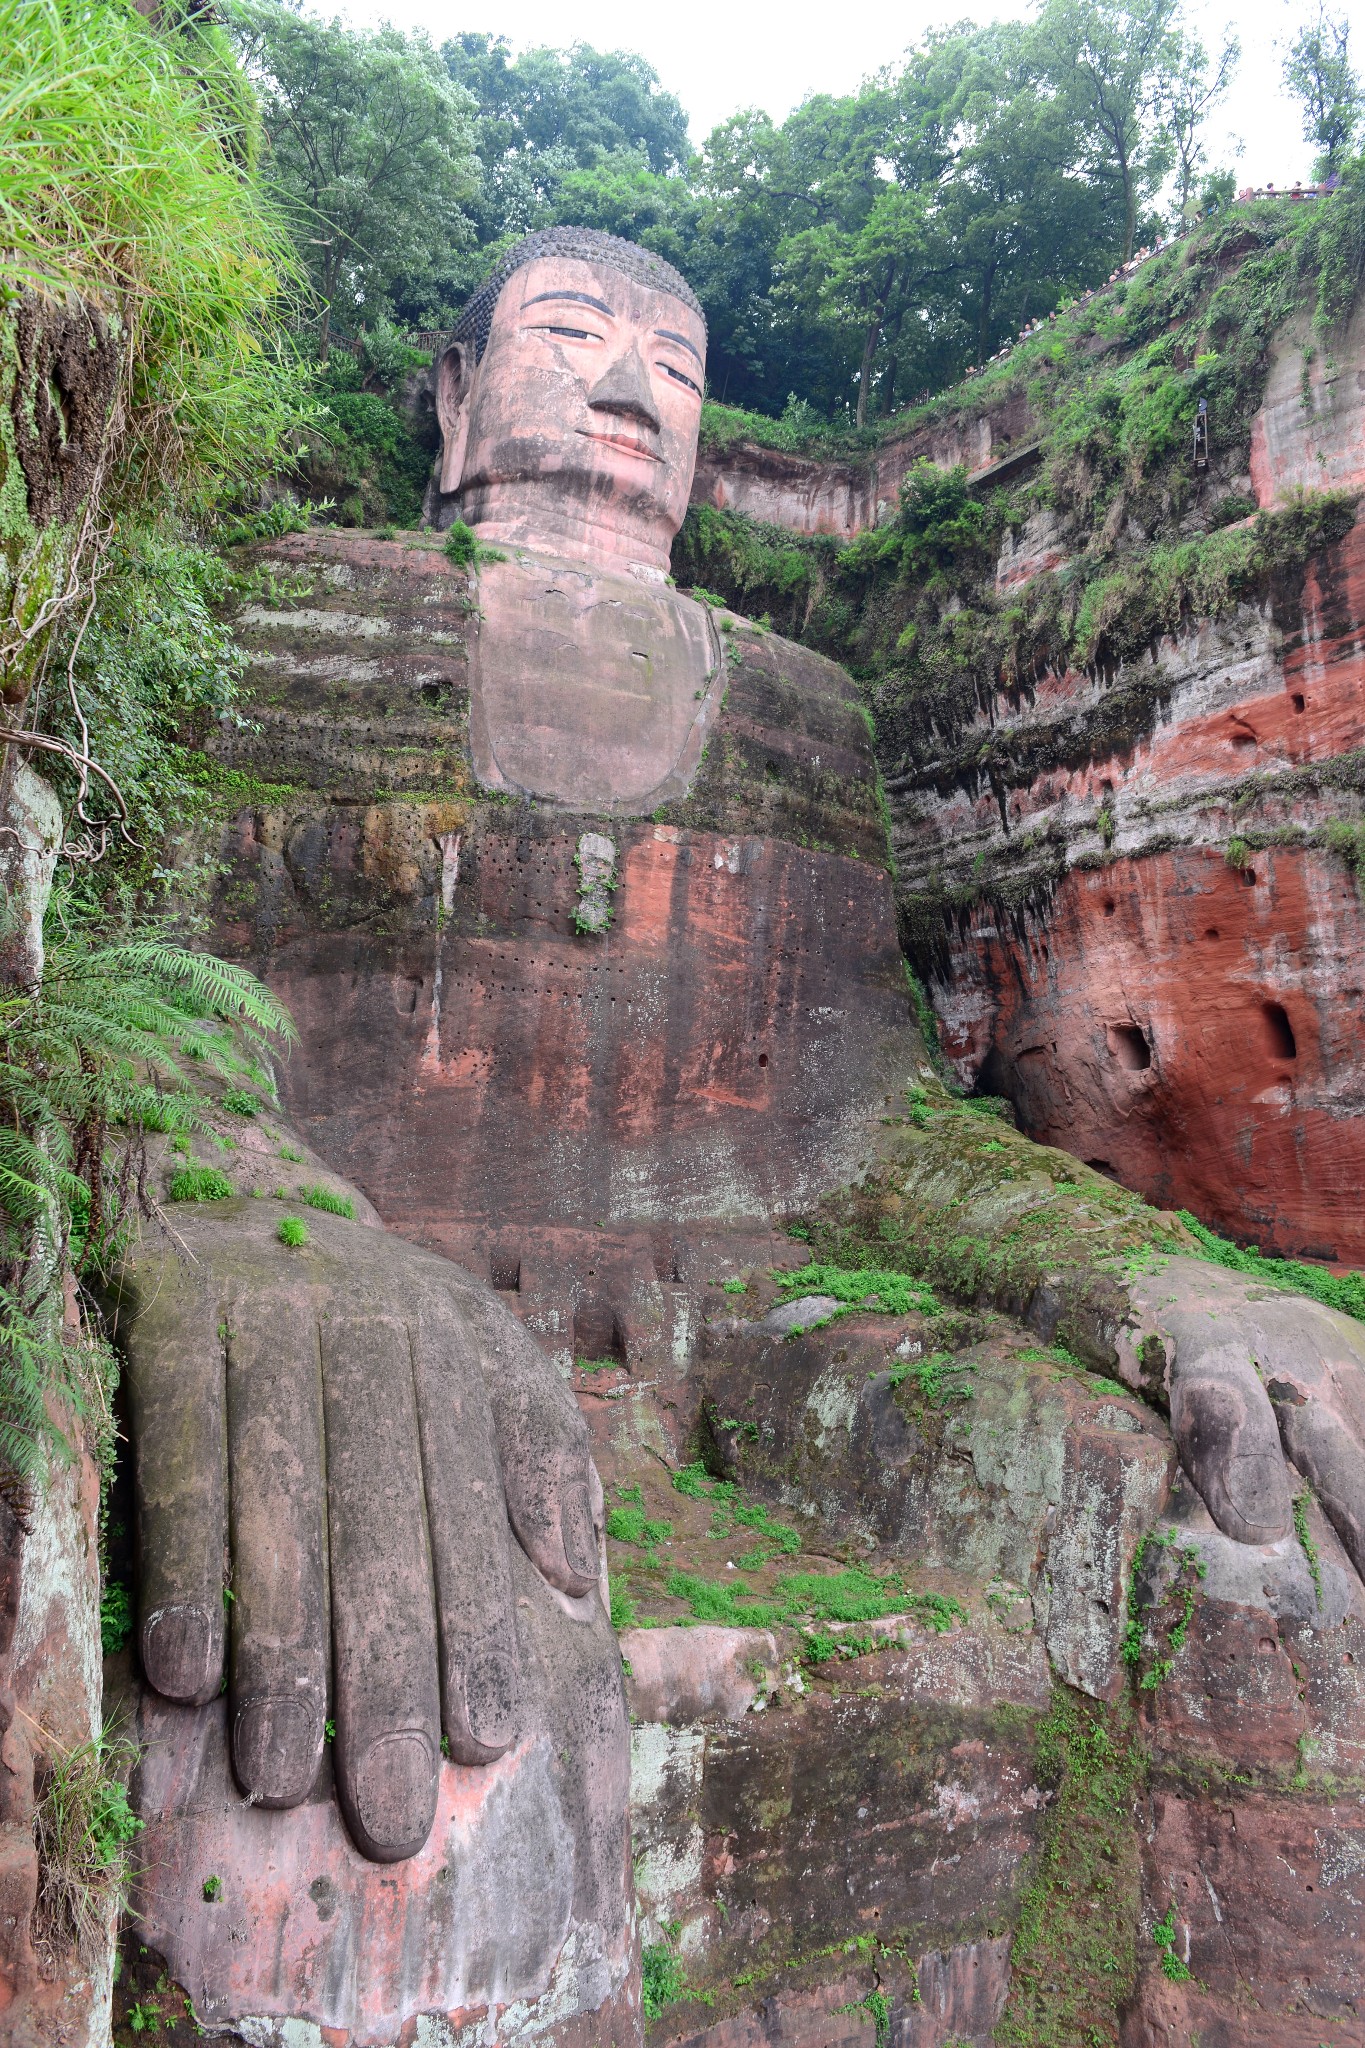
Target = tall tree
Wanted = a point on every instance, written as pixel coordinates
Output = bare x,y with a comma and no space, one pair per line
1319,73
1193,90
368,145
1113,60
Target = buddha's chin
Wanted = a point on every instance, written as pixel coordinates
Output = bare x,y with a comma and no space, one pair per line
604,510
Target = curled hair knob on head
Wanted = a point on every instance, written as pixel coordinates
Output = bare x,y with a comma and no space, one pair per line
590,245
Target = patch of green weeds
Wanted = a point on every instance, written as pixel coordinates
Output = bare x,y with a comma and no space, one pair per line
878,2006
871,1287
848,1596
240,1102
1074,1960
291,1153
200,1184
631,1525
941,1377
1180,1594
324,1198
1306,1543
622,1608
1163,1935
1343,1291
213,1889
661,1978
735,1286
293,1231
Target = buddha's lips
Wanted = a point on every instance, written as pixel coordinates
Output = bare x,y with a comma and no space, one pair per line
624,442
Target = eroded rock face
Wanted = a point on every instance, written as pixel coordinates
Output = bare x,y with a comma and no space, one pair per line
1175,992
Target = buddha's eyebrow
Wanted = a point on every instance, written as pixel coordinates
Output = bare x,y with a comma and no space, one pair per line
578,299
667,334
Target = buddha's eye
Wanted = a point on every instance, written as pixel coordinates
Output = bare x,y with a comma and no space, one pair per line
571,333
679,378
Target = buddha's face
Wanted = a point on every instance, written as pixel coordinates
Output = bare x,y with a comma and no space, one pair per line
577,433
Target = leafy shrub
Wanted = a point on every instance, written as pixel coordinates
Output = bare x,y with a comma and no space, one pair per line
661,1979
116,1618
200,1184
238,1102
461,545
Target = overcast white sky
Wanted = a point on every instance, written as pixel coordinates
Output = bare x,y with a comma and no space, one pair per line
719,55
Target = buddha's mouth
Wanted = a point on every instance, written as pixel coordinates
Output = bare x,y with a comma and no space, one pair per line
625,442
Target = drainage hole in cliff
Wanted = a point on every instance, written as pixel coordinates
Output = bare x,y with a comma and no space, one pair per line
1109,906
504,1272
1279,1032
1249,877
1128,1043
763,1059
1212,932
597,1333
1299,702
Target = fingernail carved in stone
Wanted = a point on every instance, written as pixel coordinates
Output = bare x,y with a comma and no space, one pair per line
276,1750
490,1690
580,1543
395,1794
182,1652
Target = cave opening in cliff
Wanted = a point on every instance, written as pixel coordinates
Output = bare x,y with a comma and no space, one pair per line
1130,1047
1280,1041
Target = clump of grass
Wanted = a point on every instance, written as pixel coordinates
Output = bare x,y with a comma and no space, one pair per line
323,1198
1306,1543
200,1184
83,1826
292,1231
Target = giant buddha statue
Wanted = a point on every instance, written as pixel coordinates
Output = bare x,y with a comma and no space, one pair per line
577,889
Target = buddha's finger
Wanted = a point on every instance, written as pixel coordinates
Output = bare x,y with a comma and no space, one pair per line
1321,1441
542,1449
277,1534
1226,1434
467,1518
167,1322
384,1662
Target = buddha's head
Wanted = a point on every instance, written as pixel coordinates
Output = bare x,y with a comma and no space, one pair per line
569,397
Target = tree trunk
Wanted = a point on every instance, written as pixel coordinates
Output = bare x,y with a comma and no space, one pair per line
874,335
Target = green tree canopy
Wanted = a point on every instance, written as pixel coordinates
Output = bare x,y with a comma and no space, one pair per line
369,145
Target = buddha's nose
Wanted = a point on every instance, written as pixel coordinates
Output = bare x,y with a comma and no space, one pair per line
624,388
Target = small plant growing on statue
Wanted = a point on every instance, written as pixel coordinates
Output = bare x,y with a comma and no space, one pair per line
293,1231
464,548
213,1889
1163,1934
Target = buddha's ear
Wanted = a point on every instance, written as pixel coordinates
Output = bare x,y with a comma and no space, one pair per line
454,381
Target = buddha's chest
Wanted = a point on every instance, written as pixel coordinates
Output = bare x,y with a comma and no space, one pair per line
589,689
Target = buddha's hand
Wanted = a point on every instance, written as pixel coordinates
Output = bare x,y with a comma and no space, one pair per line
336,1446
1256,1377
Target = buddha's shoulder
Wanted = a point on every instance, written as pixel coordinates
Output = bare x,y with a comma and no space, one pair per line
785,684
